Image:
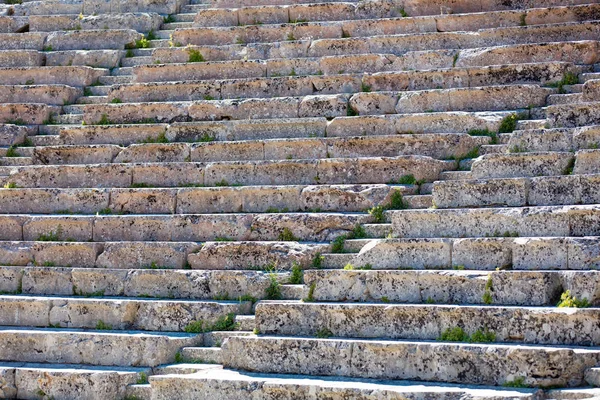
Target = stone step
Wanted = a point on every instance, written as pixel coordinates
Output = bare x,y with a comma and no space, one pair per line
92,100
412,360
139,391
531,124
164,34
565,98
202,355
21,58
440,146
141,22
217,338
493,149
555,139
99,90
575,393
160,43
124,314
45,140
281,128
506,98
124,281
220,174
506,324
95,58
15,161
73,109
590,76
552,221
30,380
293,292
122,71
245,322
325,34
176,25
455,175
132,62
115,80
336,261
69,75
118,348
518,192
319,227
252,83
509,288
297,198
183,368
185,17
239,385
69,119
47,94
573,115
501,250
142,52
535,164
379,230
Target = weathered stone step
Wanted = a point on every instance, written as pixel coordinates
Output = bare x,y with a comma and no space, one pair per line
117,314
92,100
202,355
28,113
535,164
455,175
217,338
164,34
320,227
123,280
15,161
93,39
73,109
176,25
47,94
30,380
554,99
378,230
323,36
141,22
99,90
69,119
536,365
367,170
251,80
161,43
132,62
572,393
239,385
272,199
72,346
552,221
77,7
533,325
21,58
440,146
183,368
556,139
516,288
280,128
184,17
502,250
518,192
573,115
15,135
94,58
114,80
122,71
505,98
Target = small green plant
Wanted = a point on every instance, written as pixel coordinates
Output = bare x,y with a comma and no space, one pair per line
518,149
116,100
317,262
293,72
142,43
484,336
194,56
455,59
456,334
129,53
430,300
47,48
358,232
287,235
384,299
142,379
273,291
397,201
337,246
509,123
151,35
458,267
566,300
378,214
52,236
161,138
139,185
49,264
365,88
350,112
518,382
345,34
102,326
568,170
87,92
10,185
310,297
489,288
12,152
402,13
105,211
484,132
179,358
522,20
290,37
103,120
349,267
407,180
256,331
297,275
169,19
195,327
324,333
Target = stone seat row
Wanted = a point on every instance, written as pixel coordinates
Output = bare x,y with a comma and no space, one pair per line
98,39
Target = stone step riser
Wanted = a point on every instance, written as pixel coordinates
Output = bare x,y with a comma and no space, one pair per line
142,315
559,139
141,22
205,355
510,288
440,146
491,98
522,325
56,95
319,227
410,360
260,87
98,39
528,253
255,173
92,348
518,192
540,221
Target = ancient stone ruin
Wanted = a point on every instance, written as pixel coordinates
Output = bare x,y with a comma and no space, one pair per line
299,199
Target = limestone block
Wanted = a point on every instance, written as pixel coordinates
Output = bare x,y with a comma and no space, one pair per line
573,115
94,154
11,227
48,281
217,17
482,253
289,67
143,201
587,162
376,103
445,122
589,189
81,255
33,114
63,176
211,226
168,174
539,253
582,285
92,39
344,197
49,7
295,149
492,192
209,200
21,58
267,129
542,140
583,253
322,12
153,153
262,15
557,190
47,94
172,91
15,253
140,255
267,198
22,41
361,126
92,58
520,165
261,87
329,47
64,228
72,76
131,113
48,201
8,386
399,254
199,71
227,151
132,228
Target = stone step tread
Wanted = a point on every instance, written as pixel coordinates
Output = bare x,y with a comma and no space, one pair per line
592,376
291,384
565,98
122,71
160,43
129,62
184,368
142,52
99,90
210,355
588,76
185,17
176,25
115,80
101,99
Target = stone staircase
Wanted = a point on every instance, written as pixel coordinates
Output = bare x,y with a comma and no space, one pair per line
375,199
